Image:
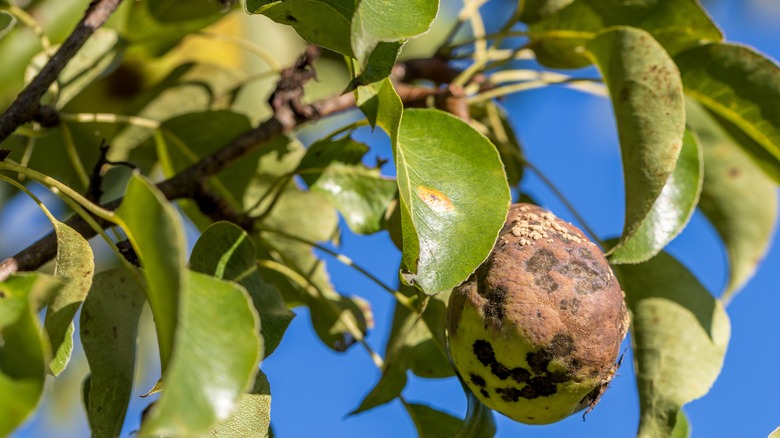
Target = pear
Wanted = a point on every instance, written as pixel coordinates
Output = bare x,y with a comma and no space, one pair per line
536,330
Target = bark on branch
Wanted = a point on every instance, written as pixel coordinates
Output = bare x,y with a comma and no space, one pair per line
26,104
289,113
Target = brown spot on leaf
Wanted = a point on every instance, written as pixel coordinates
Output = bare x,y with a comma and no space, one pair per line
436,200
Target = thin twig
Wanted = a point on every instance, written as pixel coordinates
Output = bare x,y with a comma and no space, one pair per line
26,104
189,181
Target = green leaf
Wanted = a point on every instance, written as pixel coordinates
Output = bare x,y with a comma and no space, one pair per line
24,354
188,88
738,199
172,11
500,131
742,87
680,334
432,423
558,40
225,251
535,10
301,276
380,63
155,230
252,416
156,26
109,332
339,321
215,359
672,209
361,194
479,421
380,21
647,98
99,54
682,428
189,137
381,106
454,198
7,23
75,265
322,22
417,344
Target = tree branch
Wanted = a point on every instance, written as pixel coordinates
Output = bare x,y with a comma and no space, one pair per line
289,114
26,104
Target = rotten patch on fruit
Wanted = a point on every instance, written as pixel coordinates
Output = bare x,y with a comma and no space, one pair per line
540,322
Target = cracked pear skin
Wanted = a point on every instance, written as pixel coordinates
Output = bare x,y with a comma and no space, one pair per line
536,330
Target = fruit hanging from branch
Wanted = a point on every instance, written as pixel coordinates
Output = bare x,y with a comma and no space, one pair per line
536,330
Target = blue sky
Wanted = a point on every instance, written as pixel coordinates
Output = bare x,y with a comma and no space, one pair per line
571,137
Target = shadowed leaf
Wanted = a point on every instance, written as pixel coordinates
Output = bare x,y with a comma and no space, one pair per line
109,332
647,99
225,251
154,228
24,354
559,38
738,199
742,88
671,210
75,265
432,423
417,344
680,334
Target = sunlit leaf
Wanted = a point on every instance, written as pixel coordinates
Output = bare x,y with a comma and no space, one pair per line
742,87
680,334
672,209
647,98
322,22
218,347
381,106
109,332
432,423
775,434
479,421
7,23
99,54
225,251
738,199
379,21
454,198
361,194
24,354
301,276
682,428
416,344
155,230
252,416
75,265
558,40
379,64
